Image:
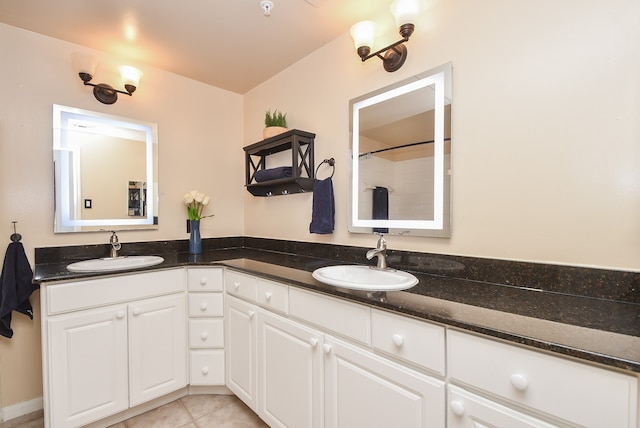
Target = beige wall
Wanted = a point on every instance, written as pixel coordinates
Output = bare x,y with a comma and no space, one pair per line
546,159
199,134
546,136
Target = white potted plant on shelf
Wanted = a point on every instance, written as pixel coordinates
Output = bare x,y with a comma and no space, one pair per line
275,123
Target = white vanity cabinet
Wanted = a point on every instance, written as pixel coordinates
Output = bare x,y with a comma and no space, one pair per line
290,373
241,358
283,363
366,390
206,326
566,392
111,343
88,375
275,365
241,328
362,387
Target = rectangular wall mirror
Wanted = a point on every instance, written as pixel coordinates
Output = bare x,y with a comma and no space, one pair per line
401,157
106,171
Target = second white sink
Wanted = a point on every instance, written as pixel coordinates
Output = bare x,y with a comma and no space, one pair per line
358,277
117,263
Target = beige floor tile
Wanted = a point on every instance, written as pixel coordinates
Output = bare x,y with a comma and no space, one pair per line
192,411
170,415
32,420
200,405
234,415
34,423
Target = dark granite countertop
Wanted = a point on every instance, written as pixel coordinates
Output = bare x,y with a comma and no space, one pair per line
590,328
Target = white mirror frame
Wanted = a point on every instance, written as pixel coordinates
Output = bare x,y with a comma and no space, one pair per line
65,211
439,79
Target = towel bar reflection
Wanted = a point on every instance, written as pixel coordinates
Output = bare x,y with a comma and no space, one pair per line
331,162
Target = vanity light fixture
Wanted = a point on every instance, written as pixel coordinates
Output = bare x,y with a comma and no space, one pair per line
393,56
105,93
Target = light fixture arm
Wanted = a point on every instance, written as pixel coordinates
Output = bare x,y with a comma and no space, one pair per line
392,56
103,92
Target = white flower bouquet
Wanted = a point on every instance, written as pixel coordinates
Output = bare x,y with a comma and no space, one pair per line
195,202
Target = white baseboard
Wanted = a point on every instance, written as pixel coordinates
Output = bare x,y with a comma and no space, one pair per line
20,409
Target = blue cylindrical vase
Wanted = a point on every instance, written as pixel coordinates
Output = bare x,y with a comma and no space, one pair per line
195,241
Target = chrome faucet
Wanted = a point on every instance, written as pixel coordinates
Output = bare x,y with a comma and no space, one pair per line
381,252
115,244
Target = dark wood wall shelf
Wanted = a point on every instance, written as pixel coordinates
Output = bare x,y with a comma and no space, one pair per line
302,164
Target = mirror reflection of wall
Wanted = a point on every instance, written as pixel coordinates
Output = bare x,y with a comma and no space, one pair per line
402,137
104,166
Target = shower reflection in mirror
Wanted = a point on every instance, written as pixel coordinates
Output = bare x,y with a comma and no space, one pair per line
401,157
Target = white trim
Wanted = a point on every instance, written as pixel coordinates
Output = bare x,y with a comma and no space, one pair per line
20,409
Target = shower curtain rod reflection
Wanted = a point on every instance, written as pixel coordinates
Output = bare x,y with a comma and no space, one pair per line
398,147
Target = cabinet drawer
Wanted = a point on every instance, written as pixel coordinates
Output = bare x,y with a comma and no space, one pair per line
91,293
466,410
206,333
411,340
273,296
205,305
206,367
569,390
348,319
204,279
242,286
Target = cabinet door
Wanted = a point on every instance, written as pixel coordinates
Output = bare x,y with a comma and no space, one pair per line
157,347
87,366
241,350
366,390
290,373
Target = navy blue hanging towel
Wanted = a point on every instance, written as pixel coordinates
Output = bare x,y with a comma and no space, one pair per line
380,207
324,210
15,287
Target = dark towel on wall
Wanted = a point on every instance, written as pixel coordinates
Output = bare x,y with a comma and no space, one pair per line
324,210
15,287
380,207
272,173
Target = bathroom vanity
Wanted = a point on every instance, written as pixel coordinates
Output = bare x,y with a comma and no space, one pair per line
304,354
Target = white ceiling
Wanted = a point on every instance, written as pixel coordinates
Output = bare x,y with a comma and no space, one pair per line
229,44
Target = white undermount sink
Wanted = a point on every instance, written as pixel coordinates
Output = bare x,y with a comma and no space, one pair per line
115,263
359,277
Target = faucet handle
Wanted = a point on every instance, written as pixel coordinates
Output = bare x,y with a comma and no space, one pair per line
382,243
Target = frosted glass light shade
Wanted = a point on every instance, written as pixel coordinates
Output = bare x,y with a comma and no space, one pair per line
130,75
405,11
363,33
84,63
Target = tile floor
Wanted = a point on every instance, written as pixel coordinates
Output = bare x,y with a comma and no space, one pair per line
192,411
